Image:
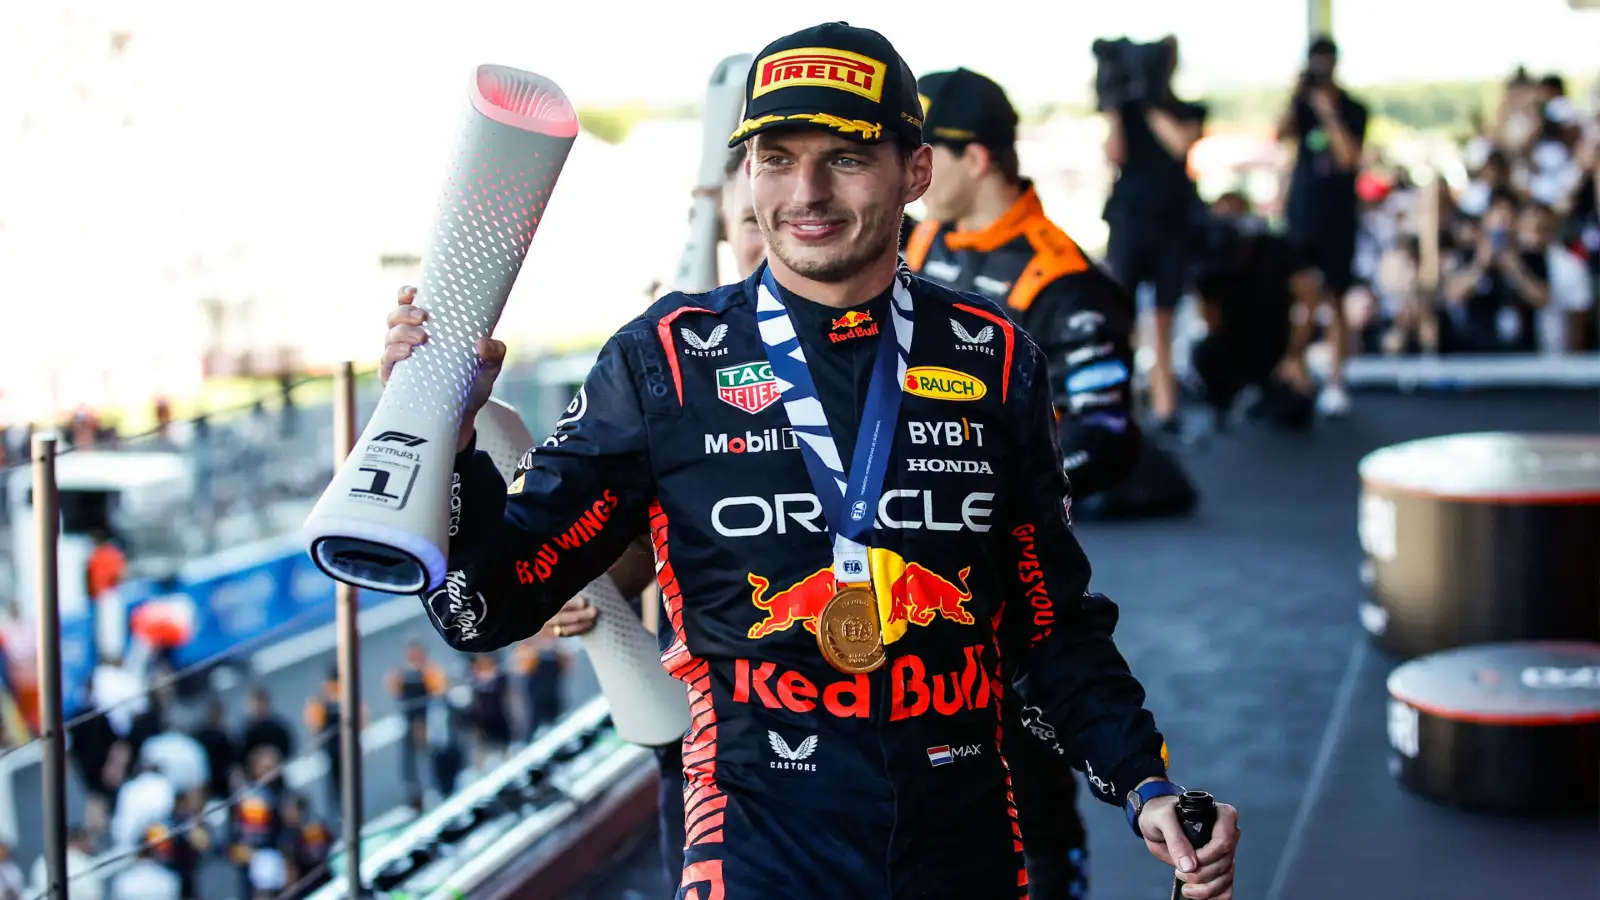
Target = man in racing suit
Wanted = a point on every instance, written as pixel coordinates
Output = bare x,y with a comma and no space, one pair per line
813,767
986,232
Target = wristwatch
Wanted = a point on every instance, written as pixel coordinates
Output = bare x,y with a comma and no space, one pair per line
1138,797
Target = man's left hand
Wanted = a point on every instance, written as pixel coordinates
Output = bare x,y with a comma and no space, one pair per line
1323,102
1208,872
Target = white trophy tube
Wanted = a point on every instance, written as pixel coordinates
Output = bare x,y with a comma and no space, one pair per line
724,107
648,706
383,523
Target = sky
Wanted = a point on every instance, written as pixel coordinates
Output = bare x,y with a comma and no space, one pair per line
611,52
277,149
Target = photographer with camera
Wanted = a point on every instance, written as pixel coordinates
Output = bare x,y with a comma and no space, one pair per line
1153,202
1328,127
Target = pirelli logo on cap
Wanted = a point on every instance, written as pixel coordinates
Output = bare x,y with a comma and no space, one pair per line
820,67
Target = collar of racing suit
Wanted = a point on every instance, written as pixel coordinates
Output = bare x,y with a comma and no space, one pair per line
1025,210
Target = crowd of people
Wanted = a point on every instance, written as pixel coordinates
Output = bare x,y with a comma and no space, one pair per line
1367,260
1518,259
172,786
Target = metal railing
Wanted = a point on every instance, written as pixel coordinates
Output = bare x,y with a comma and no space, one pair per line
455,848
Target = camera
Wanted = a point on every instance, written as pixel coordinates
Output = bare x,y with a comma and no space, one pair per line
1129,72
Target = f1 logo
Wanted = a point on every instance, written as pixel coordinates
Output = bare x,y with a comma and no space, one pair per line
399,437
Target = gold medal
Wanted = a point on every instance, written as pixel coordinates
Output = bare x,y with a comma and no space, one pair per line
848,632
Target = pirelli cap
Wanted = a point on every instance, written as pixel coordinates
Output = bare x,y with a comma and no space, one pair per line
962,107
847,80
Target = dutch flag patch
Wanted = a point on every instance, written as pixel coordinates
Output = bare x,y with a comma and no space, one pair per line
940,756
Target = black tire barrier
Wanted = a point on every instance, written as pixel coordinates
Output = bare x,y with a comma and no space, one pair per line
1502,728
1481,538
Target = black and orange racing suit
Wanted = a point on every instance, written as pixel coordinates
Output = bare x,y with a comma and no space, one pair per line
1080,316
1082,320
801,781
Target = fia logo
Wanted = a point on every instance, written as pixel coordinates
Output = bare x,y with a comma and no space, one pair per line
974,343
792,758
852,567
705,347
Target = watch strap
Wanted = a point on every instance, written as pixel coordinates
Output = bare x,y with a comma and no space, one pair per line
1144,794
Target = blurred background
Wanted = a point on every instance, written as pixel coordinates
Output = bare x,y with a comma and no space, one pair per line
205,208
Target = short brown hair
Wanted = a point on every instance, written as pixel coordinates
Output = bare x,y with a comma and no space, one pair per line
735,162
1002,159
1005,161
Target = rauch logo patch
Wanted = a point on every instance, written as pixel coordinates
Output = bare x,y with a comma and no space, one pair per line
940,383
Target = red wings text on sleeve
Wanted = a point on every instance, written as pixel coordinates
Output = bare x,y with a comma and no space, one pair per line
575,503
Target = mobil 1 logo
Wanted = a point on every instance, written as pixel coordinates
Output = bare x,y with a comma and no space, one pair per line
387,469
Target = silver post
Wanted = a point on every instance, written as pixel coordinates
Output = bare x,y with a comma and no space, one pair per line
47,531
345,603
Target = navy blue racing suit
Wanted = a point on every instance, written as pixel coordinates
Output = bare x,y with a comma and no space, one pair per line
802,781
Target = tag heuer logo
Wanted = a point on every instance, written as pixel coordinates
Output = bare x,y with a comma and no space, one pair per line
749,386
708,346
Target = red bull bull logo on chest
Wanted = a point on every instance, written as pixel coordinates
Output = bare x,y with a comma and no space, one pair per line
907,593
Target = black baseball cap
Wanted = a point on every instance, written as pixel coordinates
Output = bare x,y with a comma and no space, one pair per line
847,80
1322,45
962,107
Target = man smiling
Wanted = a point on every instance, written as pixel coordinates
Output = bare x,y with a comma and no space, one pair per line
837,605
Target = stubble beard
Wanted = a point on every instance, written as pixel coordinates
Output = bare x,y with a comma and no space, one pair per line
841,262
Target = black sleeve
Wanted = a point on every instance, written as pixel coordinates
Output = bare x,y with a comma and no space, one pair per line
1305,118
575,503
1356,121
1083,322
1077,693
1192,112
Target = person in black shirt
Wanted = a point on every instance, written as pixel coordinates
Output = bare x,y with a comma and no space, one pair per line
255,821
265,728
490,719
1328,127
323,718
1492,300
1149,212
222,754
1245,300
305,844
414,685
179,844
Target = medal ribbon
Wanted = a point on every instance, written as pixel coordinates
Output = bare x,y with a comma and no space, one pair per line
849,501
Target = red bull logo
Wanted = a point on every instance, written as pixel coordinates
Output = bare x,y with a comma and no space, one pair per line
801,603
908,594
913,690
918,596
853,324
